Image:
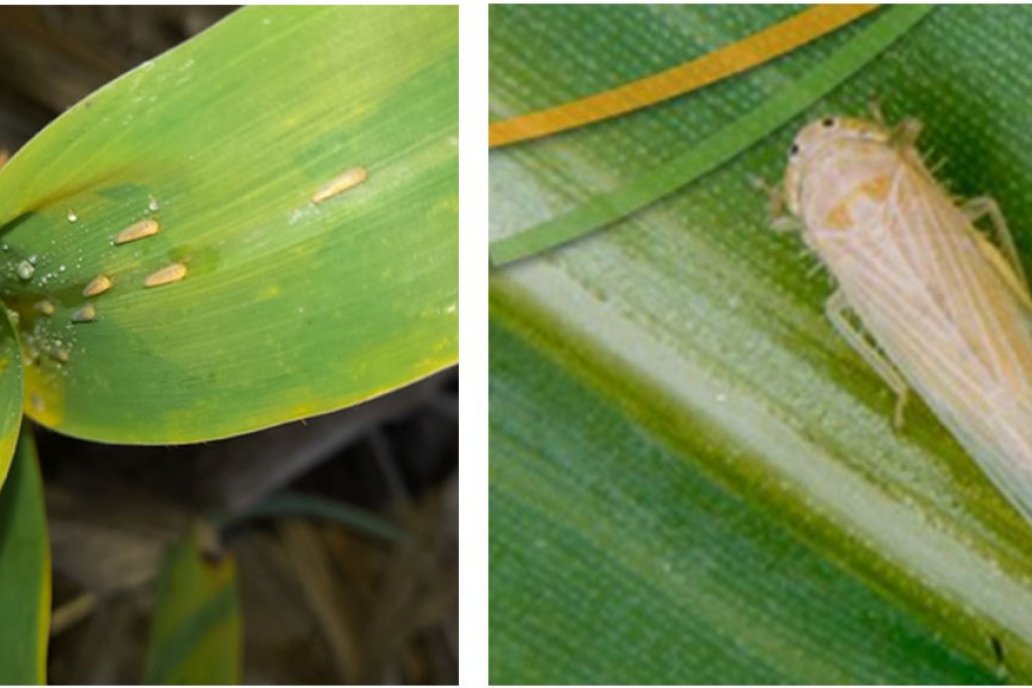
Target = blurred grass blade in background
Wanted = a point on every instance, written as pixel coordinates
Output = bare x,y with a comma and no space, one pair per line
715,150
269,291
196,630
726,61
693,478
24,570
299,505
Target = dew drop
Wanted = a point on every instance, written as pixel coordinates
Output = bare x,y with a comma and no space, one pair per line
25,270
153,205
72,217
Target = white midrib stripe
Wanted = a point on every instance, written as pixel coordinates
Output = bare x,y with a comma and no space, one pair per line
938,558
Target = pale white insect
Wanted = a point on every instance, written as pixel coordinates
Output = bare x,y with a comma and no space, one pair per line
138,230
949,313
97,285
172,272
45,307
340,184
85,314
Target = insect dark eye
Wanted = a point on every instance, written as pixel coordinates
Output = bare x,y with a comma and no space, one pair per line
794,150
828,122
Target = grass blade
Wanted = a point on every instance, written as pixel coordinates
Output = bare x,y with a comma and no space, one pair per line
753,50
683,381
296,505
714,151
24,570
195,633
12,370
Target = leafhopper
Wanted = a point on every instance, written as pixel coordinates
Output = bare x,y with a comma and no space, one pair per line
340,184
942,309
139,230
166,275
97,285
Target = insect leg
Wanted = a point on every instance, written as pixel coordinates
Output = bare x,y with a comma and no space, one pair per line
985,206
906,132
780,220
835,308
874,107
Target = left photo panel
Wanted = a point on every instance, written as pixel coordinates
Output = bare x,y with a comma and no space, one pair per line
229,348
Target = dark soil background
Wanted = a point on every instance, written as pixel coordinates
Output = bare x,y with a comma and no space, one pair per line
323,601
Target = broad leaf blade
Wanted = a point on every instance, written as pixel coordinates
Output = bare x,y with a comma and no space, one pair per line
290,307
24,570
677,579
195,633
705,332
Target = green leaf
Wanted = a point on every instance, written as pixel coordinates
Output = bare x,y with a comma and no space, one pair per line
289,307
304,505
195,633
24,570
612,561
715,150
11,389
693,478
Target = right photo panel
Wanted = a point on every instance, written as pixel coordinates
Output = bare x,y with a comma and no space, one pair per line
760,344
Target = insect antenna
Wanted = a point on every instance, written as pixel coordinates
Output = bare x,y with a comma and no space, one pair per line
815,269
936,166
